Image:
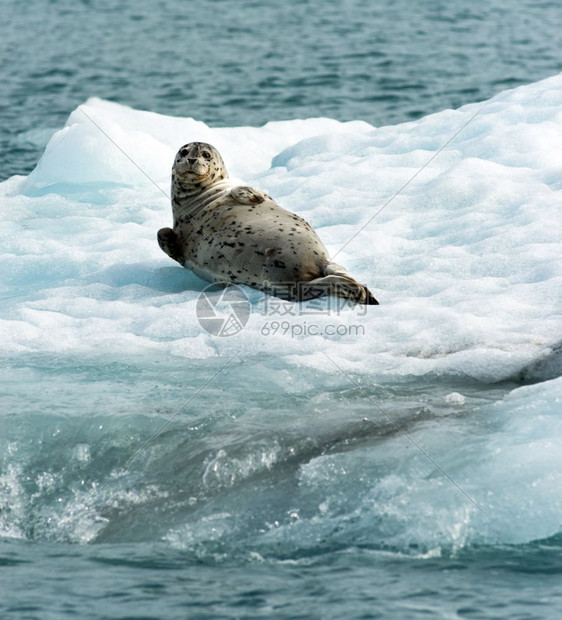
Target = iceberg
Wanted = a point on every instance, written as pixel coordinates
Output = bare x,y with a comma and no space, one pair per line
453,222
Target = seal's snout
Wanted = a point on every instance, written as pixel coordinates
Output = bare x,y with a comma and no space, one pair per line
188,164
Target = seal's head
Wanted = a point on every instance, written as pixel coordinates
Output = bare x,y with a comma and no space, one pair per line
199,165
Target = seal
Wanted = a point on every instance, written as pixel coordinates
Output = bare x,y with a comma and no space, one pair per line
234,234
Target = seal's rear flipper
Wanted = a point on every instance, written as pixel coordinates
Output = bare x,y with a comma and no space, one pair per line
339,286
365,295
169,243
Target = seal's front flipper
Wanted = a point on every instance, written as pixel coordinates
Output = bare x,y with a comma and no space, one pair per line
247,195
169,243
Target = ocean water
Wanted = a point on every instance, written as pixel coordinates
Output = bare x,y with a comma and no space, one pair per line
250,62
323,461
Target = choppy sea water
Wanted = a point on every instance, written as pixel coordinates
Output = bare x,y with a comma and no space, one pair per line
265,502
249,62
283,489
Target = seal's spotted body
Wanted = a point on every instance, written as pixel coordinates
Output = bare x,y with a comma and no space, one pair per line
230,233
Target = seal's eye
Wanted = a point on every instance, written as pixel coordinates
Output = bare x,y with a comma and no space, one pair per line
206,155
183,152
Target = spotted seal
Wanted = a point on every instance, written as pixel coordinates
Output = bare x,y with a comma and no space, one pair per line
230,233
